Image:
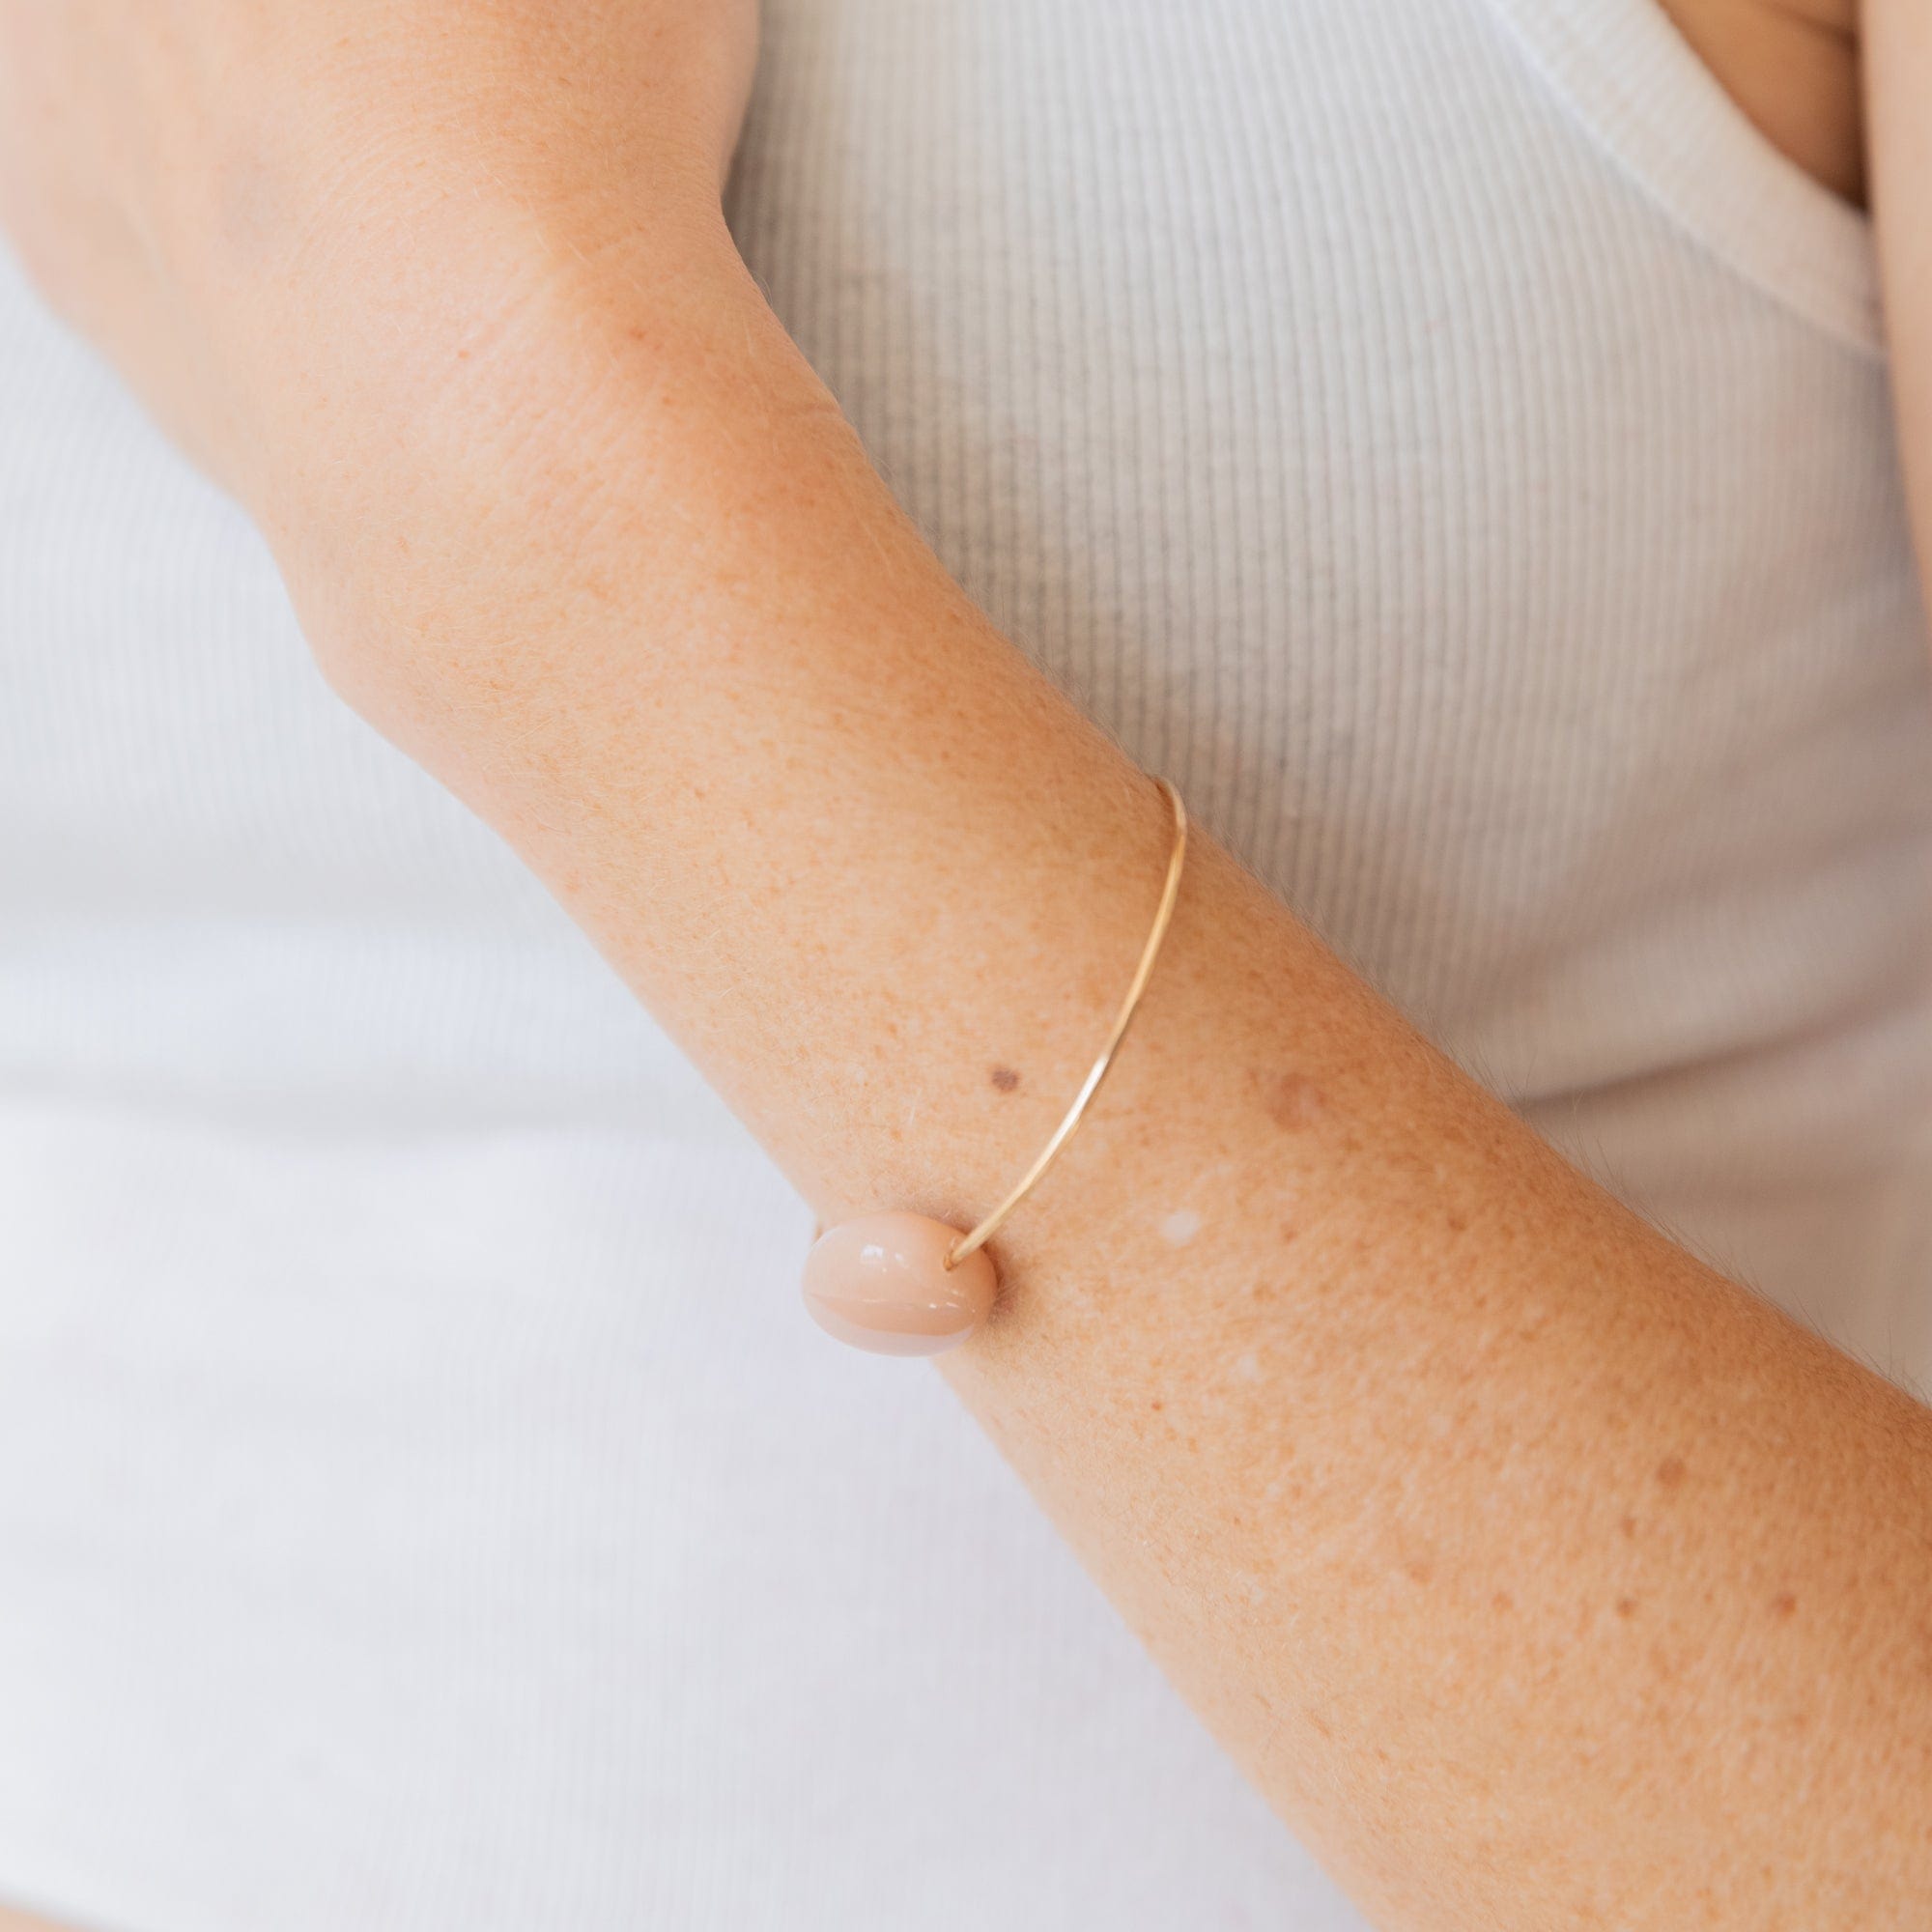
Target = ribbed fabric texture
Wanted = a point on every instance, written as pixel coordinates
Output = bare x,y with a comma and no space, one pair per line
1439,434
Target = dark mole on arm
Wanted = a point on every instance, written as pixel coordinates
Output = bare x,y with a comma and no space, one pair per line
1005,1079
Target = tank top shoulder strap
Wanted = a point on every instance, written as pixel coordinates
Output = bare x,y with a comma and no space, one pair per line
1639,92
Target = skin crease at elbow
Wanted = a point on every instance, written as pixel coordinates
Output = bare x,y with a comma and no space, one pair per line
1791,65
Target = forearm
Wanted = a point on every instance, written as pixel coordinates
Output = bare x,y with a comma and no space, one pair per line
1531,1569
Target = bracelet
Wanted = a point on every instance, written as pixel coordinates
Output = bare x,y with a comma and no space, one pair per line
901,1284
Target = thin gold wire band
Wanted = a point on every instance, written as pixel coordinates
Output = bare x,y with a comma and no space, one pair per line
1170,892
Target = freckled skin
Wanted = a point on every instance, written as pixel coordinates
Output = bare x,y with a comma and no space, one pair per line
1670,1473
1290,1100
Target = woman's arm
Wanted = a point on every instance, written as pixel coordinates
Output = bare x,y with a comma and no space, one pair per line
1539,1575
1533,1571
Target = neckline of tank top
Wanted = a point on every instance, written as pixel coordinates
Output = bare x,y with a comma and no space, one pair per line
1648,101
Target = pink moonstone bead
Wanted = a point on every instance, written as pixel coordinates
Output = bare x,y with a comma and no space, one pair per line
881,1283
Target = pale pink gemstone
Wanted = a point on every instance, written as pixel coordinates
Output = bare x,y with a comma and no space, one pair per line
881,1283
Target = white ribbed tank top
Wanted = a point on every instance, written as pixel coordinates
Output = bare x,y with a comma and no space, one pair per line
1439,434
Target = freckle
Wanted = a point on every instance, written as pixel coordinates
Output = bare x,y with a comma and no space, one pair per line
1419,1569
1502,1602
1625,1607
1289,1230
1670,1472
1155,1405
1291,1101
1005,1079
1628,1525
1181,1227
1784,1605
1459,1224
